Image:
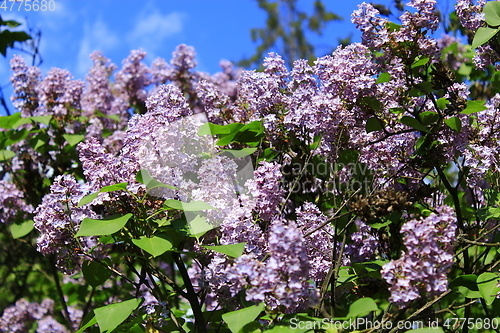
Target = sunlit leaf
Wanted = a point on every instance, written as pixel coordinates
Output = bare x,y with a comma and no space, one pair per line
487,284
110,316
361,307
482,36
21,230
232,250
236,320
153,245
91,227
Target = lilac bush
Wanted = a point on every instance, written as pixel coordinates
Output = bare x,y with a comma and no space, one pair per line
361,184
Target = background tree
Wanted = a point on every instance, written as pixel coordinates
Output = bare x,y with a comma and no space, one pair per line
26,42
286,29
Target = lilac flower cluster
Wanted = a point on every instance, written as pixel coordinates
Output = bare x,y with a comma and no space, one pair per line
364,245
57,219
483,150
12,203
318,239
98,97
266,190
470,14
373,28
375,31
24,82
102,168
132,79
56,94
280,281
423,267
20,317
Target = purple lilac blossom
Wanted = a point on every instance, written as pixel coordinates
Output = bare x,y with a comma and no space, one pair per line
481,155
470,15
282,281
484,56
57,219
102,168
213,100
426,15
24,81
59,95
184,58
166,105
267,190
303,87
132,79
98,95
161,71
364,245
422,268
19,318
12,203
319,243
373,28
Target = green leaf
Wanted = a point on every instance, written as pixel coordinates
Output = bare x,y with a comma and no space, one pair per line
491,12
199,226
88,198
413,123
421,89
91,227
361,307
248,134
371,102
420,62
193,206
95,273
316,142
110,316
426,330
153,245
42,119
487,285
21,230
232,250
482,36
383,77
144,177
213,129
473,107
11,24
240,152
110,188
14,136
466,285
19,36
6,155
454,123
88,324
442,103
373,124
114,187
255,126
73,139
13,121
428,117
236,320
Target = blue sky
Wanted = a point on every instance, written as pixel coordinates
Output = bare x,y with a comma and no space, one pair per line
218,29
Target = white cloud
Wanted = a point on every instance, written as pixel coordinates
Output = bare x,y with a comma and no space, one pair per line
95,37
153,28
